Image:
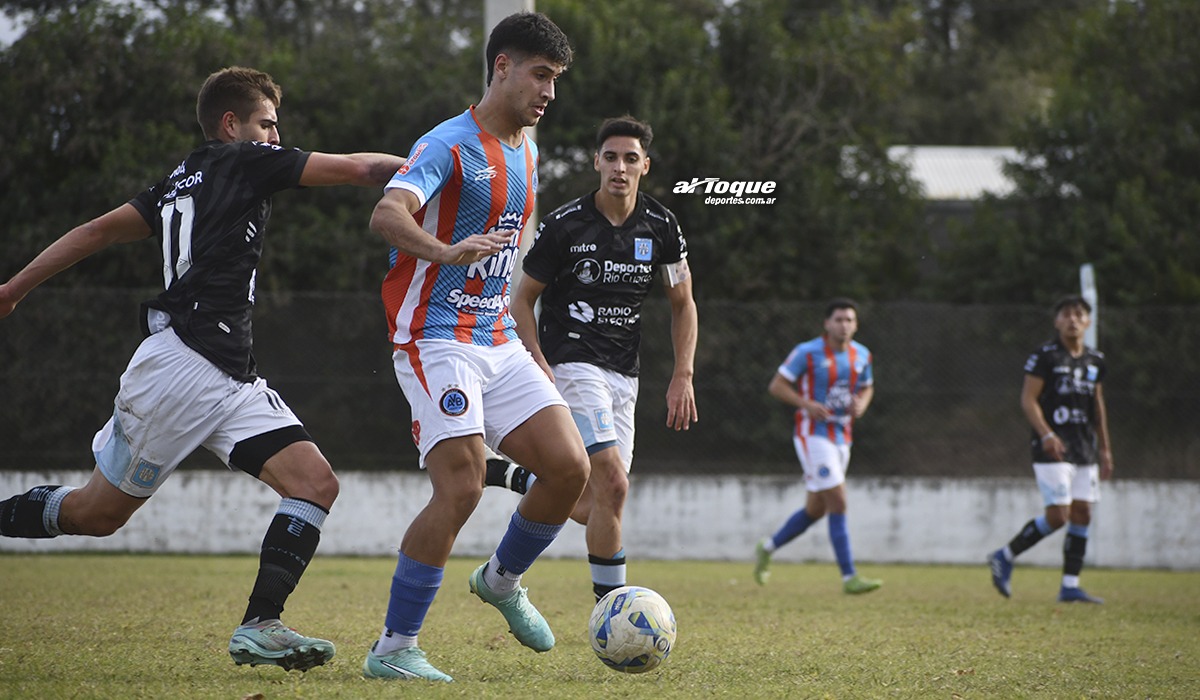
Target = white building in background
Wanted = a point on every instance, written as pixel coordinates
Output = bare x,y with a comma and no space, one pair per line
958,173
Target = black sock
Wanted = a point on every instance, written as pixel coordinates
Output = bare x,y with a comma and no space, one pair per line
497,475
22,516
286,550
1026,538
1074,549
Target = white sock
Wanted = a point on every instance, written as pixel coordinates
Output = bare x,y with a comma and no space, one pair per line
390,641
1070,581
501,583
768,544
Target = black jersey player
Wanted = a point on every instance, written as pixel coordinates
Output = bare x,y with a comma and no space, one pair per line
1063,400
193,382
592,264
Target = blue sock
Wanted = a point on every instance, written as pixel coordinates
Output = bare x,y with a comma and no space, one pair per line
522,544
413,587
840,538
793,528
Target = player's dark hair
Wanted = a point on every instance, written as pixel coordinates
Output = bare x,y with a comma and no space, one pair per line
234,89
528,34
1072,300
840,303
625,126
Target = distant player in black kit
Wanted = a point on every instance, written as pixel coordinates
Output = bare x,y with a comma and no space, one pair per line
1063,401
592,264
193,381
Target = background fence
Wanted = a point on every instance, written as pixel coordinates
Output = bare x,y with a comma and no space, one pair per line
948,380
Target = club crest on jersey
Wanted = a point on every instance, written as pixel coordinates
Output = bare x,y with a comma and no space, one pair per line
587,271
454,402
643,249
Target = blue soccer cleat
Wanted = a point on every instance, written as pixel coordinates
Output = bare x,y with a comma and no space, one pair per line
1077,595
524,620
1001,572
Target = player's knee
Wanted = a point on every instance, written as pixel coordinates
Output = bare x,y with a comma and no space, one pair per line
459,497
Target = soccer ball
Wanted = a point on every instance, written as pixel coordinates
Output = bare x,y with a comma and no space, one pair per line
632,629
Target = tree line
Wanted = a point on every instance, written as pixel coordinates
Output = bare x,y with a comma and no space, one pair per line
1101,97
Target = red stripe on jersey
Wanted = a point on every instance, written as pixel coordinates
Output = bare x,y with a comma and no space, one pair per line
447,211
493,153
853,355
832,360
414,361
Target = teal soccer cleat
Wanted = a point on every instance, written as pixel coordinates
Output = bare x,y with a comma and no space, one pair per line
271,642
762,564
524,620
403,664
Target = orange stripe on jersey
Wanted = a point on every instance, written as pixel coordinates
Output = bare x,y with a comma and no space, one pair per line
447,208
805,386
498,335
829,357
493,152
414,361
853,353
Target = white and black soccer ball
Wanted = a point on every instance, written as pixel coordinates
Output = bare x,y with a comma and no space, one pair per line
632,629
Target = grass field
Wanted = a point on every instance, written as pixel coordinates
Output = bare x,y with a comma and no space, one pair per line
123,626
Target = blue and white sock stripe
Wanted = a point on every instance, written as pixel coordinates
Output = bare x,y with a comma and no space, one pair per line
53,506
301,509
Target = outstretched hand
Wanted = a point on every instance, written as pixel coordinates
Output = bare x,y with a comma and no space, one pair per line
475,248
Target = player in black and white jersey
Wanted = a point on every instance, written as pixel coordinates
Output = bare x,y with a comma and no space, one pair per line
192,382
1063,400
592,264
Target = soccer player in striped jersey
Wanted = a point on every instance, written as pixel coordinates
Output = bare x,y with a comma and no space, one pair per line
453,216
193,381
1063,401
830,382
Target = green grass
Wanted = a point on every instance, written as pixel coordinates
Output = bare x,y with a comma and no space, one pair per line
121,626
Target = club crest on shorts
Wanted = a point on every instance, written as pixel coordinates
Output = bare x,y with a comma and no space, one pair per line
145,475
454,402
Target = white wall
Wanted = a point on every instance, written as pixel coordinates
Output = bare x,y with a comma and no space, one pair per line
943,521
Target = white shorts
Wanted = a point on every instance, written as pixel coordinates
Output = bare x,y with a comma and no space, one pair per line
1063,482
456,389
825,462
602,403
171,401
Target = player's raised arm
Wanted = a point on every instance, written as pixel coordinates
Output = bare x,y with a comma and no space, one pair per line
117,226
363,169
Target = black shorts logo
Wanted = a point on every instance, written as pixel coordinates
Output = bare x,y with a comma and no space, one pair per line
454,402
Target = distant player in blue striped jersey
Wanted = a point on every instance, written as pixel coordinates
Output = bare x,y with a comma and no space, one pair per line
453,215
829,380
193,381
1063,401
